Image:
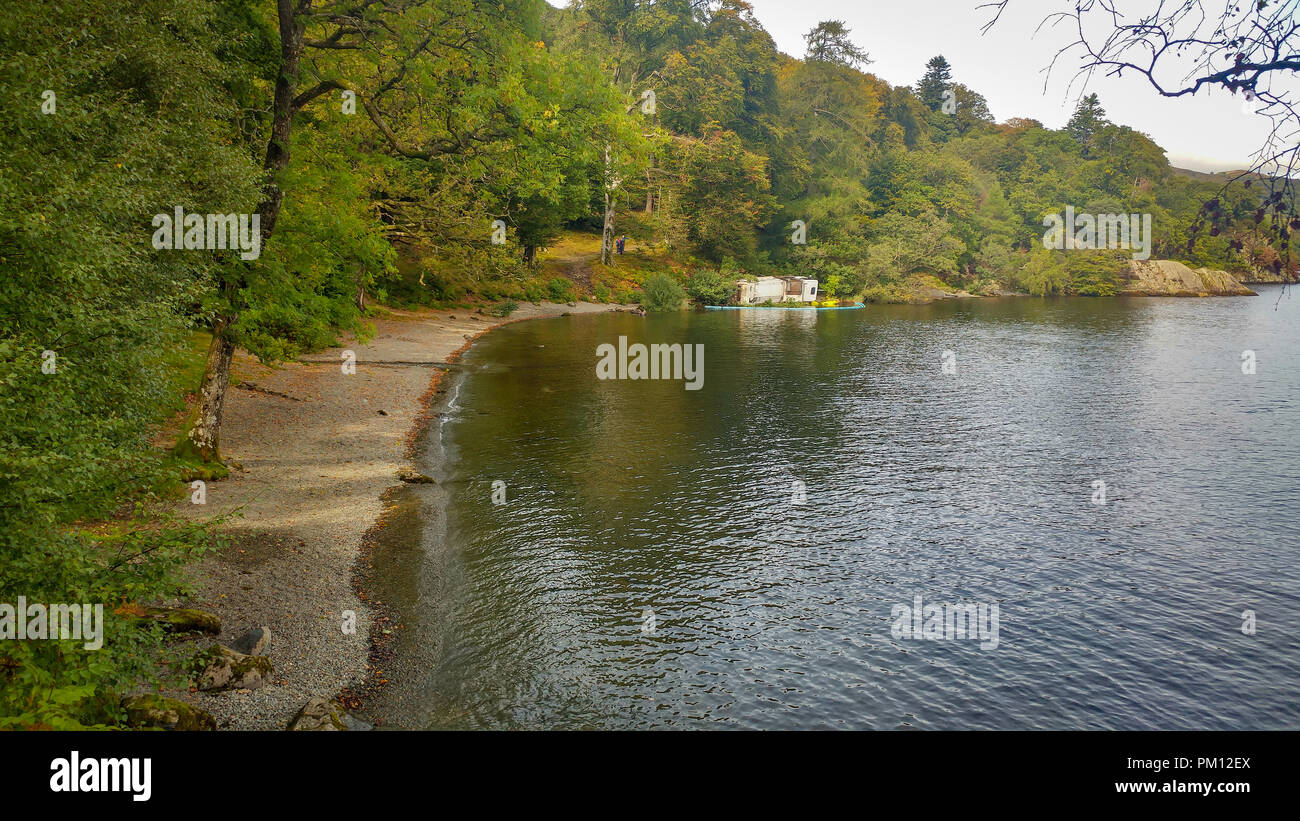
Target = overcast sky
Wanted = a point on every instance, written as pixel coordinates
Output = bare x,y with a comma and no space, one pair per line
1208,132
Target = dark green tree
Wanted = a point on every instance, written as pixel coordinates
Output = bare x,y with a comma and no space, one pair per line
1089,118
829,42
937,80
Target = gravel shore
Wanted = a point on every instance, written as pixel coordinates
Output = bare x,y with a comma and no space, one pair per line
318,448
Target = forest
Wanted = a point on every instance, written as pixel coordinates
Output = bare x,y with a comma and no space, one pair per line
456,153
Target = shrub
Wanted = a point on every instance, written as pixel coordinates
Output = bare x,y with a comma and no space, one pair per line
662,293
505,309
708,287
560,289
533,292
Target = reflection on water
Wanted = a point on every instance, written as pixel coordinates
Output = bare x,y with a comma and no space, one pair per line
624,498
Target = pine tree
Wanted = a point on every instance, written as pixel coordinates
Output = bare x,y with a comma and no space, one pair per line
1089,118
937,80
829,43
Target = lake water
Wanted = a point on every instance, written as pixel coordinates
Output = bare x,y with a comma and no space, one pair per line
652,565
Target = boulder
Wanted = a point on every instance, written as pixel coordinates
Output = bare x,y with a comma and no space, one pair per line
224,669
156,712
319,713
253,642
184,620
414,478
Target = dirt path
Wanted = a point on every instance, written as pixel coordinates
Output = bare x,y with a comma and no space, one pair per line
318,448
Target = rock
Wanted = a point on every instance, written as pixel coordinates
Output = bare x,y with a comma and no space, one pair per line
253,643
184,620
355,724
319,713
152,711
383,412
224,669
1165,277
414,478
571,304
451,316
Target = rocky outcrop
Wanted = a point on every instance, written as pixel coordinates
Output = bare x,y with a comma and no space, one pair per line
1164,277
1259,276
156,712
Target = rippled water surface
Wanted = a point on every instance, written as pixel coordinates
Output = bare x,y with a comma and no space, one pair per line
628,496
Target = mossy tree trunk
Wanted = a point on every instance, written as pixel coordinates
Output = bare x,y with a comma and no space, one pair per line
202,438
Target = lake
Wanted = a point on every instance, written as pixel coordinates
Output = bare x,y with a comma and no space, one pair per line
736,556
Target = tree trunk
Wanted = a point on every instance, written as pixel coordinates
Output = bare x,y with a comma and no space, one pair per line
649,187
204,435
202,438
286,83
607,233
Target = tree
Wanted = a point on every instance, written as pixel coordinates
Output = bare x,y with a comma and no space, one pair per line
828,42
937,80
720,189
1088,119
971,109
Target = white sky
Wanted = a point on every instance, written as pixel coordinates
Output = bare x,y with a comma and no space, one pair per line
1208,132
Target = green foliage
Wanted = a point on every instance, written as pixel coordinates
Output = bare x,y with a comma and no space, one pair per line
709,287
1096,273
328,249
662,293
560,289
1043,274
721,192
143,122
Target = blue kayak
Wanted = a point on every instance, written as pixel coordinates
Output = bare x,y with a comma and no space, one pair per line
855,306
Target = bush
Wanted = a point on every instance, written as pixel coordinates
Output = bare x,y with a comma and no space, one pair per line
560,290
505,309
533,292
708,287
662,293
